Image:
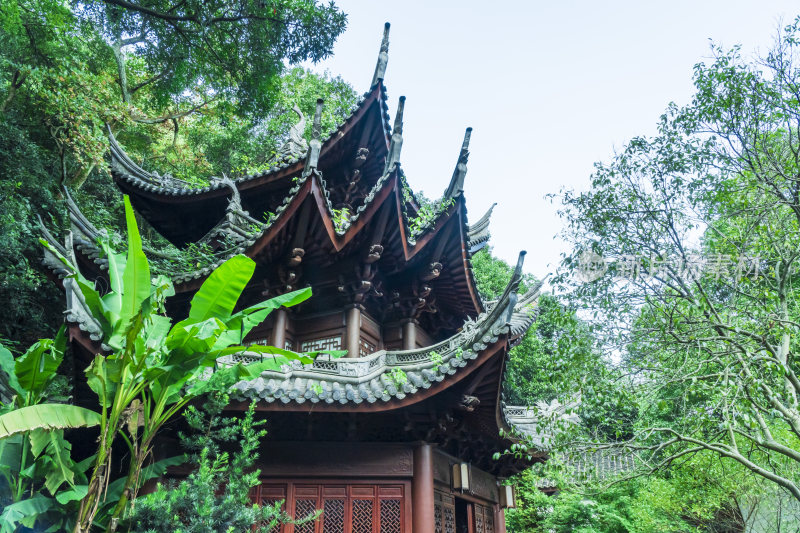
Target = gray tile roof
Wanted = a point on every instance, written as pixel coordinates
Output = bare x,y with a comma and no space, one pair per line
369,379
478,233
125,169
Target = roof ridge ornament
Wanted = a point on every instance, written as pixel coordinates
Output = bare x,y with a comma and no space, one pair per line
314,147
396,144
296,145
513,285
235,201
456,186
383,58
78,221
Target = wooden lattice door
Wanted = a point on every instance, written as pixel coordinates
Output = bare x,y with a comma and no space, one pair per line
444,513
346,508
484,519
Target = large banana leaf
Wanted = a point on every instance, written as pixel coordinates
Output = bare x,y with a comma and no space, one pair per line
24,512
38,365
136,285
46,416
10,459
221,290
102,376
57,465
186,339
7,366
241,323
116,271
77,492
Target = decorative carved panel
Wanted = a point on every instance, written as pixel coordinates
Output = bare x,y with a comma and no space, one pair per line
346,507
484,519
304,508
333,516
449,520
391,519
321,345
444,513
362,516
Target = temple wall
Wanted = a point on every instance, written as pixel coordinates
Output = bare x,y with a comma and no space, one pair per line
375,488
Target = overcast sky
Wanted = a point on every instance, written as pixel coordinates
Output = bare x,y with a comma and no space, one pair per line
549,88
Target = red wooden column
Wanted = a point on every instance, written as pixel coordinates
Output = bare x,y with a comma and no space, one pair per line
353,331
499,519
422,490
409,334
279,329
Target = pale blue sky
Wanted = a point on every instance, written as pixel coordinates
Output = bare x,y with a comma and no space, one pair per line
549,88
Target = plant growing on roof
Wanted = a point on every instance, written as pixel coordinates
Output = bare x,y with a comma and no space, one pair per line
155,367
398,376
427,215
341,218
436,359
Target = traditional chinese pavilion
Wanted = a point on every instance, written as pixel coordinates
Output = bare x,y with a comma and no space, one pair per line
398,436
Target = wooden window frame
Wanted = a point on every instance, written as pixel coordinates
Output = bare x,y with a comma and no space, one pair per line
321,489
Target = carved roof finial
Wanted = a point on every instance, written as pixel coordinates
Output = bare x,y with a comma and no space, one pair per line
456,186
235,201
513,285
396,144
518,268
296,145
383,58
312,159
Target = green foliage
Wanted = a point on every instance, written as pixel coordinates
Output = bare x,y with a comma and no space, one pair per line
27,313
699,226
436,359
39,482
556,356
181,105
155,367
427,214
341,219
398,376
216,495
700,495
232,50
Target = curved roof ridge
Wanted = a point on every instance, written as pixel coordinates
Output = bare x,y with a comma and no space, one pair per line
370,379
127,170
478,234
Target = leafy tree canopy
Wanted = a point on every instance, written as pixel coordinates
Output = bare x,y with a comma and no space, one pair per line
192,89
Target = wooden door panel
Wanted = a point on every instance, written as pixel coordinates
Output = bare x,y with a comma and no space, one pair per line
346,508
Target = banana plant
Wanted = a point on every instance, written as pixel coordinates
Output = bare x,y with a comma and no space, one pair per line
39,481
155,367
